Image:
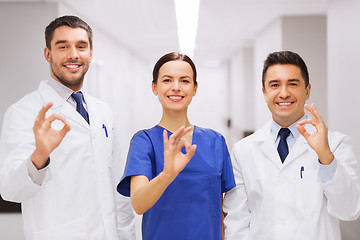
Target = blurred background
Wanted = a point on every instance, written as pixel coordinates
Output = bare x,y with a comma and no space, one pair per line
228,41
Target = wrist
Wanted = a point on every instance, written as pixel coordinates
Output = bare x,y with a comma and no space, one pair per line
326,157
39,159
166,178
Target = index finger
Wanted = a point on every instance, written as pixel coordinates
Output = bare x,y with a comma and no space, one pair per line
43,110
312,109
180,133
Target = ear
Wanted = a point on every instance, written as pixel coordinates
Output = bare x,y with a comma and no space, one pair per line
47,53
153,86
264,94
307,91
91,55
195,88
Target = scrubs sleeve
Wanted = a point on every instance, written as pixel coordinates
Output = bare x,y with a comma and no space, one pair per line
227,176
139,161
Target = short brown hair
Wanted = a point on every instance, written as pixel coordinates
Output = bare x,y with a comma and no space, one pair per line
71,21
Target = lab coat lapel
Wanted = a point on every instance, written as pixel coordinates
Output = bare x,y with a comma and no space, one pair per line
60,105
93,107
267,145
299,148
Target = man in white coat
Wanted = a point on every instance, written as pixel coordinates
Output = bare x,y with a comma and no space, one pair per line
62,163
296,184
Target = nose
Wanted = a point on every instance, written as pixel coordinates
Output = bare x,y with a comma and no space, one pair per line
73,53
284,92
176,86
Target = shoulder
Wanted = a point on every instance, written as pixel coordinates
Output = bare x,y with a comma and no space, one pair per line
209,133
258,136
30,104
146,135
337,138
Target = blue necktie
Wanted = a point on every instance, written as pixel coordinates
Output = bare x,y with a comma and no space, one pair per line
283,148
78,97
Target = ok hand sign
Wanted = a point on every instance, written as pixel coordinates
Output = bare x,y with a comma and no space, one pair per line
318,140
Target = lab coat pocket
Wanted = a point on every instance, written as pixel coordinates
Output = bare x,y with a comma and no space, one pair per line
74,230
215,195
309,192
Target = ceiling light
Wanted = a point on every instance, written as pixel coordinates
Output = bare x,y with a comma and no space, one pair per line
187,15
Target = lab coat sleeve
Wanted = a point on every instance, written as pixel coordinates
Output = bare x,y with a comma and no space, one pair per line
17,143
235,206
343,191
124,212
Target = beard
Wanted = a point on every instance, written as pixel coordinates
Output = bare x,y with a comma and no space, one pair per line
77,83
61,76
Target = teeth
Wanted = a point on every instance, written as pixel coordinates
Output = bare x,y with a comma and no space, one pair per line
284,103
72,66
175,97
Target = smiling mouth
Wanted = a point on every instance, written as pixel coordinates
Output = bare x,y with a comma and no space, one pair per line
284,104
175,98
72,66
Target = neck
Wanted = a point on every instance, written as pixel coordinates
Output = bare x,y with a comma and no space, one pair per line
174,120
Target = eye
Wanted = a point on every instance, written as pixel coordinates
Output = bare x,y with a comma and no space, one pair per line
185,81
166,80
62,47
274,85
82,47
294,84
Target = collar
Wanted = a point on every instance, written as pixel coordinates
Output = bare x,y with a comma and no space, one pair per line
63,91
275,128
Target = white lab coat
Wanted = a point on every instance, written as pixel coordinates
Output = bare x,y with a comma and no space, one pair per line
78,199
275,201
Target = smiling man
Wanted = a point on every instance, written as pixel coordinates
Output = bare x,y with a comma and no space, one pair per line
64,174
294,179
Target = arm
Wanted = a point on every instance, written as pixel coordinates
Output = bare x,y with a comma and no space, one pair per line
235,206
222,218
343,190
19,143
124,213
144,193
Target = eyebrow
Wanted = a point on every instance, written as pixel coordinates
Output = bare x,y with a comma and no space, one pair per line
168,76
289,80
64,41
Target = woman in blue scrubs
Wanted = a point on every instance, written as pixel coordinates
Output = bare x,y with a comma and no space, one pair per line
176,172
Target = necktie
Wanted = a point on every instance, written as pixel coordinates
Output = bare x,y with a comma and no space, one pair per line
78,97
283,148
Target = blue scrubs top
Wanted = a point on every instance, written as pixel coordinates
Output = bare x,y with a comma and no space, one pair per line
190,208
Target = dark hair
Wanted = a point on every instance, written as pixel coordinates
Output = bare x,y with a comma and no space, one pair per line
285,57
173,56
71,21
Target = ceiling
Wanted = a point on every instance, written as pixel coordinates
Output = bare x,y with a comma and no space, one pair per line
148,27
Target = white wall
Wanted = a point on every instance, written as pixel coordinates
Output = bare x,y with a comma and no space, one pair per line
344,80
241,75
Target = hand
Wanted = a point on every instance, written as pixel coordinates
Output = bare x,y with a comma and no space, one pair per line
174,160
46,138
318,140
